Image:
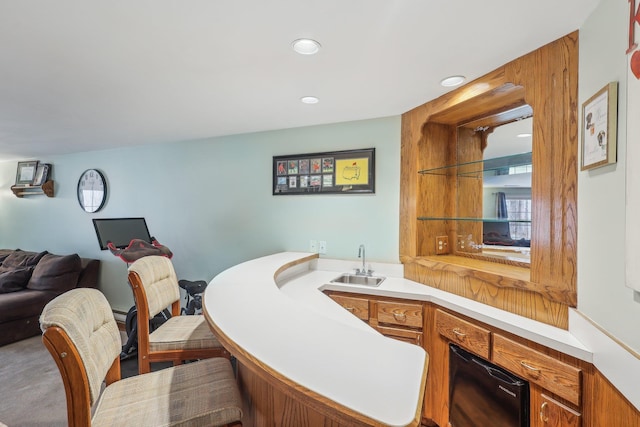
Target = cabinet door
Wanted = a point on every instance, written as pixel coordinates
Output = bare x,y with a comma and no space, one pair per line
547,412
359,307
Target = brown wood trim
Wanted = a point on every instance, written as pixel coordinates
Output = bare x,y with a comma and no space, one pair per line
294,263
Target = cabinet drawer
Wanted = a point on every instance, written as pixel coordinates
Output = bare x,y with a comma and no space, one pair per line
406,335
465,334
359,307
397,313
551,374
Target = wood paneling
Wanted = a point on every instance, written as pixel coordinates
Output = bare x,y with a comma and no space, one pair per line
493,284
606,406
546,80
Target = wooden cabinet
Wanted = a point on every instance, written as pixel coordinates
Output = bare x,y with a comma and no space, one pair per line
357,306
399,319
558,377
555,383
548,412
472,337
400,314
564,392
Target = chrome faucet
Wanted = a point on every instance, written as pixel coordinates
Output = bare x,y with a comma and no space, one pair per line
363,271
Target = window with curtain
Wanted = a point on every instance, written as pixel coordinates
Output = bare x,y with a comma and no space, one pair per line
519,208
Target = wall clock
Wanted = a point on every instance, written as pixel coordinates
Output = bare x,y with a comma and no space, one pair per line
92,190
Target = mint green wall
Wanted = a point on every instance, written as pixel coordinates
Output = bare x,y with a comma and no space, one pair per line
210,202
602,294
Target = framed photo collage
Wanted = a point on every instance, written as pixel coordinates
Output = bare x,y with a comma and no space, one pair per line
337,172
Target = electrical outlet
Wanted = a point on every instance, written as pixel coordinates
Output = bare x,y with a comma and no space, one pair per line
323,247
313,246
442,245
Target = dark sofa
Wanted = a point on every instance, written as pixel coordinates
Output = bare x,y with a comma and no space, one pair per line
29,280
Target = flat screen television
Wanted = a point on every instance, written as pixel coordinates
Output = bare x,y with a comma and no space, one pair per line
120,231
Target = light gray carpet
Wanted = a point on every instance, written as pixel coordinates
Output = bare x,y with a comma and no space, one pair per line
31,390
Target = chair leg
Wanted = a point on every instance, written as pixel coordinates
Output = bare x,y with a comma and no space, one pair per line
144,366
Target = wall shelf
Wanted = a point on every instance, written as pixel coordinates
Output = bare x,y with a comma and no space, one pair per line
21,191
430,218
479,166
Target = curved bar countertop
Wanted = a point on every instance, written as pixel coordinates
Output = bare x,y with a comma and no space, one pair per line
272,313
364,375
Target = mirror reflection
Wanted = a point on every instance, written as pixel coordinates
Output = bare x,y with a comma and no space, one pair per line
505,187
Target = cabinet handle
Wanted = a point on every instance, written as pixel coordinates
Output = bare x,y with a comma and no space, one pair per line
543,409
459,334
530,368
400,316
350,309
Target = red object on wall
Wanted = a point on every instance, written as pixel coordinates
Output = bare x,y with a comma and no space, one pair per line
634,17
635,64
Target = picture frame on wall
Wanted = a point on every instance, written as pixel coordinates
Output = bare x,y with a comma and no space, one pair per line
599,128
333,172
42,174
26,173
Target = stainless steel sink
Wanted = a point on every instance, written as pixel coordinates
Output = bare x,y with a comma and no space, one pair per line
356,279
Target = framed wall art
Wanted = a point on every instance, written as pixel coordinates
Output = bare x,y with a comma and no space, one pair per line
599,123
333,172
26,172
42,174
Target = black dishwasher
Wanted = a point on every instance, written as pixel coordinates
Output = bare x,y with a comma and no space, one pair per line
482,394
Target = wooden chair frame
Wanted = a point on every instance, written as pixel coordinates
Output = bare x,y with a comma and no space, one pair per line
75,379
145,355
74,375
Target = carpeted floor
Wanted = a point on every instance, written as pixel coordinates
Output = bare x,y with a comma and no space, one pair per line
31,390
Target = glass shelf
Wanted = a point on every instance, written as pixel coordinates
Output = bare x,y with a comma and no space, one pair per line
431,218
479,166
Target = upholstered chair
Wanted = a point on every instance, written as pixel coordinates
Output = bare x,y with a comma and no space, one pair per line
81,334
155,288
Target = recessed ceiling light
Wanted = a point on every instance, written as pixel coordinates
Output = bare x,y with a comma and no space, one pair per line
452,81
309,99
306,46
523,135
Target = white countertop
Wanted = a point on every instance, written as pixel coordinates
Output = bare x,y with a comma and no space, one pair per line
292,327
335,357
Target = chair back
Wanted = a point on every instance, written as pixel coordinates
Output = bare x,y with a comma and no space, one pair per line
85,316
156,276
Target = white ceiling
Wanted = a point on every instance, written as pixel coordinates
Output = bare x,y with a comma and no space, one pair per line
81,75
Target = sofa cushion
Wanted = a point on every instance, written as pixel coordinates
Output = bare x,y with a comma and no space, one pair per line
20,258
3,254
56,273
22,304
14,279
